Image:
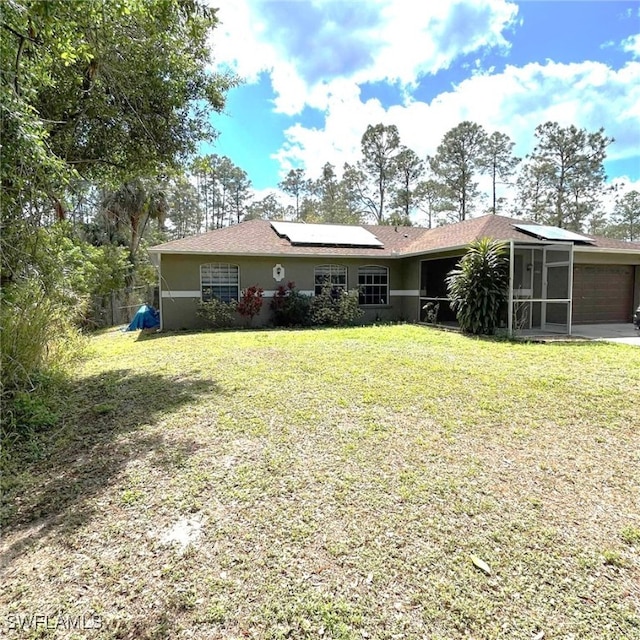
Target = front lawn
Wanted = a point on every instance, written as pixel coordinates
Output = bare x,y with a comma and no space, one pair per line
382,482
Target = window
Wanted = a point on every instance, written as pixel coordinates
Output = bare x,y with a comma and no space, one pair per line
336,274
374,285
219,280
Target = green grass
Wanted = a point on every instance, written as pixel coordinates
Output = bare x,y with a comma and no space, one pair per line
344,481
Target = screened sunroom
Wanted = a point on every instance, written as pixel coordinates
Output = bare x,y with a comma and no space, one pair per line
540,283
541,288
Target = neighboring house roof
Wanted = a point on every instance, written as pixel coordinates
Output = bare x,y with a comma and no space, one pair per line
258,238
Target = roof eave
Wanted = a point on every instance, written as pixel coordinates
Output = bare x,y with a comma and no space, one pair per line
459,247
424,252
608,250
392,255
244,254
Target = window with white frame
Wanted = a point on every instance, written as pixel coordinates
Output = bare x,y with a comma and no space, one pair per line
219,280
334,274
373,283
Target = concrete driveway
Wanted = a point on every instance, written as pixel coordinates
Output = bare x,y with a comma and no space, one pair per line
625,333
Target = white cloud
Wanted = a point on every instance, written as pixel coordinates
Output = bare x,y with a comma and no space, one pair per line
624,184
322,63
261,194
621,185
431,35
385,40
240,42
589,95
346,118
632,45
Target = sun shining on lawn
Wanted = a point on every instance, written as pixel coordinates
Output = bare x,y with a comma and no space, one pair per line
382,482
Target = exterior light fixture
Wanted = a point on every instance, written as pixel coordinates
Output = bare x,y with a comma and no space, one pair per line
278,272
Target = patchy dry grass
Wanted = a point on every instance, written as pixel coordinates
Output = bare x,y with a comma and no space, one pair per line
337,484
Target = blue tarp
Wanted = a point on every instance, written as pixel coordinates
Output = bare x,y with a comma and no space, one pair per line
146,318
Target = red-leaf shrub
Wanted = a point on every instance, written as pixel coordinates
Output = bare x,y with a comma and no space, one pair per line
250,302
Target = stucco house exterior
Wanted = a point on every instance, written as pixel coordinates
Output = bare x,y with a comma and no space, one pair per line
557,279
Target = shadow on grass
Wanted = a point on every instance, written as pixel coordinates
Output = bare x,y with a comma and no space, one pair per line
104,424
154,334
502,338
567,342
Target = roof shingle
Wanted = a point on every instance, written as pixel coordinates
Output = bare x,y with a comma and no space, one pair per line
257,237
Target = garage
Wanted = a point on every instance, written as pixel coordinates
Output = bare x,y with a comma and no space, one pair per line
602,293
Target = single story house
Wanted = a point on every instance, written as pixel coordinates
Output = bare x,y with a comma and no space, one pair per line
557,278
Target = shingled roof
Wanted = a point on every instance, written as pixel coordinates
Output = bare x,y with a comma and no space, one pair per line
499,227
258,238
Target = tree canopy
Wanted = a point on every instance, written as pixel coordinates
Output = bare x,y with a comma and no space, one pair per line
109,91
100,101
626,217
380,146
458,159
497,160
568,175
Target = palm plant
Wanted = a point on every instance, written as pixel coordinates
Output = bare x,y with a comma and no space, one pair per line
478,286
131,207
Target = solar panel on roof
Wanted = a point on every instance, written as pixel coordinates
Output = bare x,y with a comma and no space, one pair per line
326,234
546,232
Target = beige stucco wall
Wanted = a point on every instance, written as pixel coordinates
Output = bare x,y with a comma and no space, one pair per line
180,313
182,272
181,275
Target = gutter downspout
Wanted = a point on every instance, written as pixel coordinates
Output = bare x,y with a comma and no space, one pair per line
511,273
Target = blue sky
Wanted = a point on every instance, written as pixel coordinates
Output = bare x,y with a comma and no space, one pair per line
317,72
